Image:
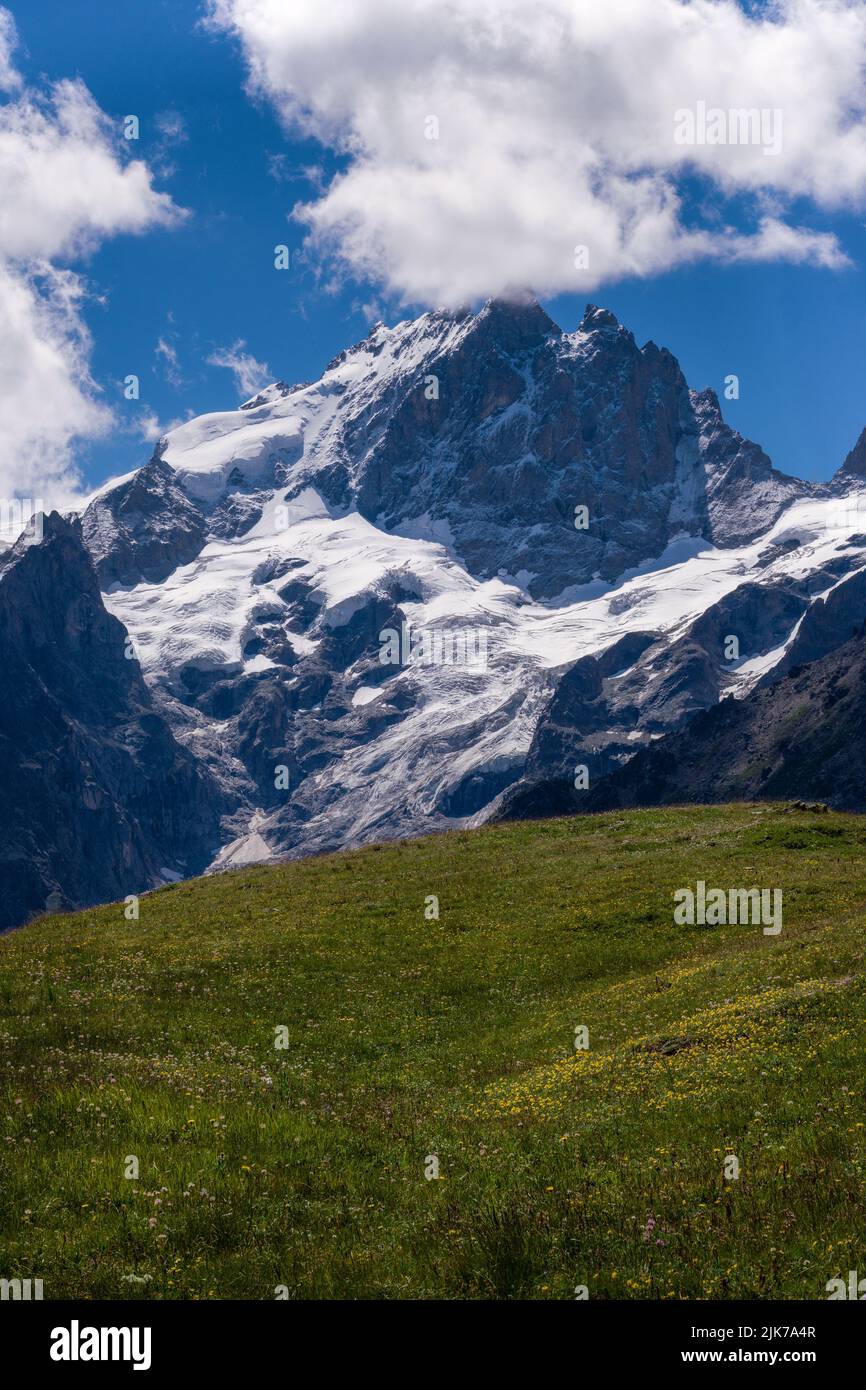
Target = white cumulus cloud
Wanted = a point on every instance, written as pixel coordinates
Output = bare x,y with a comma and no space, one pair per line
65,185
10,78
489,141
250,375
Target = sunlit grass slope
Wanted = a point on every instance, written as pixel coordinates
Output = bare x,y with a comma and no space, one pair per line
301,1169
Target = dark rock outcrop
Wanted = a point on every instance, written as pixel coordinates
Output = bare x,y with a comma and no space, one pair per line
855,463
97,798
744,492
804,736
608,706
143,528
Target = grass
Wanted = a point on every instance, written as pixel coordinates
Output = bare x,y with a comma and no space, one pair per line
302,1169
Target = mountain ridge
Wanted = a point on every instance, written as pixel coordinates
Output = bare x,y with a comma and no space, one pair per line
99,800
433,482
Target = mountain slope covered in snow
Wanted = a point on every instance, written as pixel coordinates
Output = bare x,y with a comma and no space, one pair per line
478,554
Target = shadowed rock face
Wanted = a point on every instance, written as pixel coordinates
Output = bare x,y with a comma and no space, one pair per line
826,625
802,737
605,708
855,463
530,423
744,492
97,799
798,733
143,528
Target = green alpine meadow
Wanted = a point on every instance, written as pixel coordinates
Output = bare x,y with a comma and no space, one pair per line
488,1064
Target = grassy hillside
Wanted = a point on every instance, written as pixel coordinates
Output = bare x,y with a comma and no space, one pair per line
304,1167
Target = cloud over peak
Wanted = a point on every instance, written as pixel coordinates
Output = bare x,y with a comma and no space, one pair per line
495,143
250,375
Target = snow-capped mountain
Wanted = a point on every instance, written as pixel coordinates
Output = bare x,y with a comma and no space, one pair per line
477,553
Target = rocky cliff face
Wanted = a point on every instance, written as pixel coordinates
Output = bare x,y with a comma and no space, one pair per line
530,424
143,528
785,738
98,799
744,492
854,466
606,708
797,738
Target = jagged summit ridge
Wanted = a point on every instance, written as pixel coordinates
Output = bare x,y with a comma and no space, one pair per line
489,430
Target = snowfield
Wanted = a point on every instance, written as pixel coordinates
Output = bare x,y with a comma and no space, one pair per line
202,615
301,548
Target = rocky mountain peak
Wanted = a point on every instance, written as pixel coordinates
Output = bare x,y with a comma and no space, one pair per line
855,463
707,407
515,324
489,428
595,318
144,527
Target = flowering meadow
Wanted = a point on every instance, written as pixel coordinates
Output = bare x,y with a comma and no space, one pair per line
248,1092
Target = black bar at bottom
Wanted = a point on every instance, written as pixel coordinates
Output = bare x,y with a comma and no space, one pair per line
83,1338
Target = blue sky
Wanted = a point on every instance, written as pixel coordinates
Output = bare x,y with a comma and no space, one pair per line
794,334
